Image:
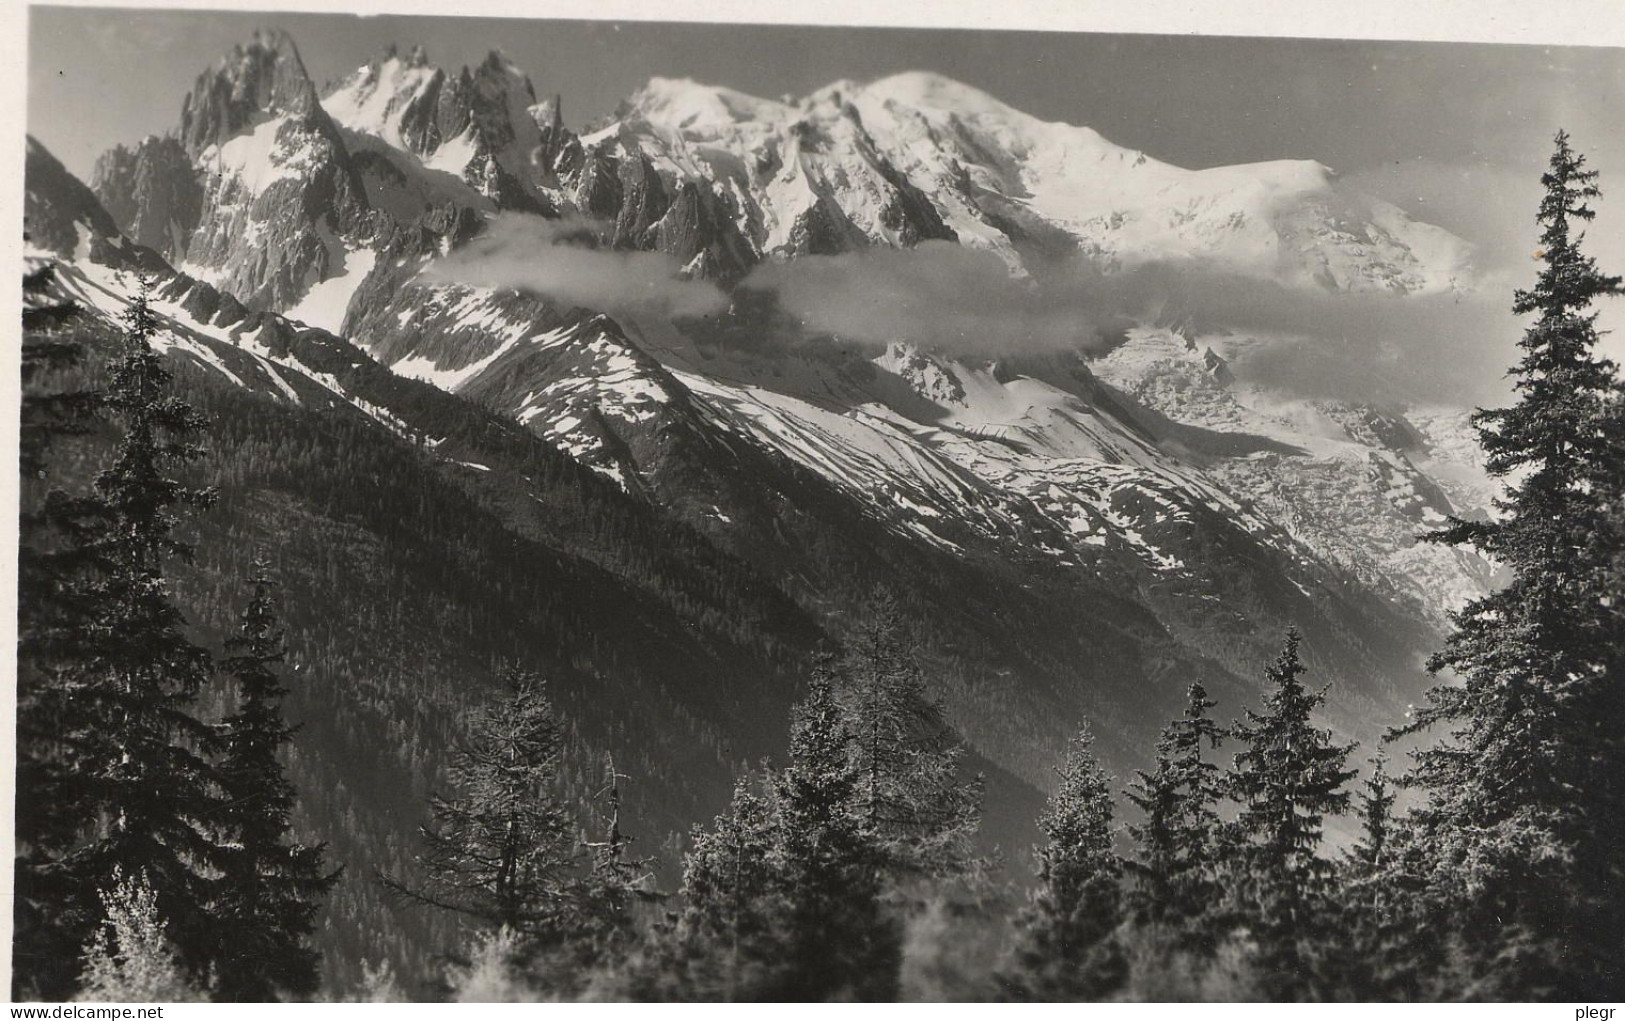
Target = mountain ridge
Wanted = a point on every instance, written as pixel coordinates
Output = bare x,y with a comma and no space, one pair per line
565,399
985,163
571,402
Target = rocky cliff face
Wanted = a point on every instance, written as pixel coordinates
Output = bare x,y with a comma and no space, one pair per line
281,199
1351,482
62,217
479,138
474,128
774,179
153,191
262,77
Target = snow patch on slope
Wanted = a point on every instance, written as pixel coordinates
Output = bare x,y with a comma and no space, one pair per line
255,159
325,304
373,98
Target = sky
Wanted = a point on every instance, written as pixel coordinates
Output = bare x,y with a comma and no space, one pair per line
1455,133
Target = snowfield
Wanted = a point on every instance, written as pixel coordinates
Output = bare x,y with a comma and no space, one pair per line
980,163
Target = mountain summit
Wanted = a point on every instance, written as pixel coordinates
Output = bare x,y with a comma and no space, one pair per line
264,77
254,190
918,155
480,126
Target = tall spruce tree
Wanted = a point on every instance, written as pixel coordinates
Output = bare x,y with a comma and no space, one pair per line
1176,869
841,942
56,608
1526,788
912,797
1067,943
1288,776
1372,853
138,747
502,852
271,886
783,897
1383,928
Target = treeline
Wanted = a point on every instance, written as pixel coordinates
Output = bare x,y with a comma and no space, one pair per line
156,858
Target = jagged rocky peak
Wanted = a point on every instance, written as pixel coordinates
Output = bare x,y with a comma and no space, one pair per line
1217,367
493,103
480,125
265,76
281,198
548,116
417,56
591,179
413,104
549,113
153,191
499,98
811,180
394,98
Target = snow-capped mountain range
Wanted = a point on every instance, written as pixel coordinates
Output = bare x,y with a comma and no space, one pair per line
1152,469
918,156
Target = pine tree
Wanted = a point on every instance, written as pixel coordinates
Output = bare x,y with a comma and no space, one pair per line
56,608
1068,947
502,852
1178,858
139,750
1526,789
784,896
54,555
272,886
1385,950
49,347
841,943
730,933
911,795
1372,853
1287,777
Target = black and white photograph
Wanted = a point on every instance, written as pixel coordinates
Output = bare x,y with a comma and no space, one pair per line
516,505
